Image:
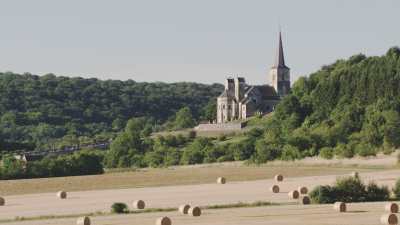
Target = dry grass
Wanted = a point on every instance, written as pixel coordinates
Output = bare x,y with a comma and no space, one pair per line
164,177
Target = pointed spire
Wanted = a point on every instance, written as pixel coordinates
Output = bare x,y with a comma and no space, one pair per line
280,59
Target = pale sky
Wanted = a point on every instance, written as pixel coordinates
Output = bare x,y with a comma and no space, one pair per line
186,40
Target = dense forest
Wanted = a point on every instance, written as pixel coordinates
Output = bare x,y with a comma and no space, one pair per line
41,112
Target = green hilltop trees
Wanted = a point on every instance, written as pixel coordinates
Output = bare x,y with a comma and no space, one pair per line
347,108
39,112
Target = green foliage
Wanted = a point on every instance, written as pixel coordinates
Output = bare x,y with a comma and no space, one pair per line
349,189
183,119
79,163
128,148
38,111
119,207
363,149
264,152
195,152
323,194
210,110
242,150
344,150
376,193
351,106
326,153
290,152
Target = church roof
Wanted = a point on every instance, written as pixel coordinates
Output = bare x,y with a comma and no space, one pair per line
267,92
280,58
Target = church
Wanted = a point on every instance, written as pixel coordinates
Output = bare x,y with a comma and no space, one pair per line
239,100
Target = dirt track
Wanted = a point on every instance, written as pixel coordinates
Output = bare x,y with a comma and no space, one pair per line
172,196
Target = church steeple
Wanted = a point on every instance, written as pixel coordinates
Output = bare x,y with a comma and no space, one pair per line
280,58
280,73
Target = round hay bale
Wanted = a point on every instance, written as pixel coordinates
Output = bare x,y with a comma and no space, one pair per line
83,221
62,194
275,188
302,190
139,204
389,219
163,221
305,200
392,207
194,211
221,180
279,177
339,206
2,201
184,209
294,194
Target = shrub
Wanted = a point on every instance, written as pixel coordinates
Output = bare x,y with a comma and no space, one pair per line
290,153
242,150
326,153
344,151
119,207
365,150
264,152
396,189
172,157
376,193
323,194
349,189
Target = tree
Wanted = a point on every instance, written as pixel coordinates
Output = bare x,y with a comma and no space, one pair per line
184,118
392,129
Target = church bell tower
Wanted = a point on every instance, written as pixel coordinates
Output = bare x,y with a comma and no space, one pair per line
280,73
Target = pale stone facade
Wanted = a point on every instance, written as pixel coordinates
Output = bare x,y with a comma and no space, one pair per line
239,101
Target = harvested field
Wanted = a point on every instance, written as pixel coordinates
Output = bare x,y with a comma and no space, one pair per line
360,214
165,177
46,204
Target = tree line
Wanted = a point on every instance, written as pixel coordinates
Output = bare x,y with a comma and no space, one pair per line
45,112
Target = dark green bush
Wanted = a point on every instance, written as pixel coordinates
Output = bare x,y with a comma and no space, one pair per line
349,189
119,207
396,189
376,193
323,194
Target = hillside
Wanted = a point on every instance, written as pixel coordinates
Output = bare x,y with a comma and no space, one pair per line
36,110
346,108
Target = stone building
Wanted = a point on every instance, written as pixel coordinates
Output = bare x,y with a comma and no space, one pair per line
239,100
